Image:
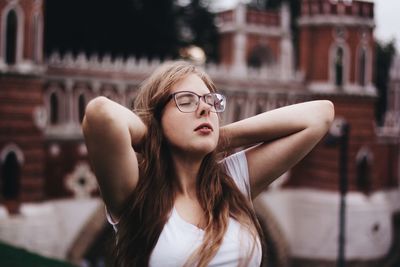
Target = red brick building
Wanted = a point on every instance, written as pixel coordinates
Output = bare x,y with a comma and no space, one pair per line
21,96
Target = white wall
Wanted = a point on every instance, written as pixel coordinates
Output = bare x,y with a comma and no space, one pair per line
310,222
48,228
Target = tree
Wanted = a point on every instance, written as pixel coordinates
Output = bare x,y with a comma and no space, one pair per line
155,28
197,27
384,54
144,28
125,27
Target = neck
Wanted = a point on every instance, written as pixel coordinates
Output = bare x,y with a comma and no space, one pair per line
186,168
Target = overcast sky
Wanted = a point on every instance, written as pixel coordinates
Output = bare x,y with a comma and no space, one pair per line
387,18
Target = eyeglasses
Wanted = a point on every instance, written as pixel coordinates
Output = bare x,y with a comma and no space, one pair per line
187,101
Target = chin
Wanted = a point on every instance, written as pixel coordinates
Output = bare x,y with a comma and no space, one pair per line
198,149
206,149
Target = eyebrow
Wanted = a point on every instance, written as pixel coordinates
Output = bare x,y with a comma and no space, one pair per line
189,91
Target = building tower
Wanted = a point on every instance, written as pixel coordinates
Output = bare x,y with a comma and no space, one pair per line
336,58
21,46
336,45
256,39
21,112
336,54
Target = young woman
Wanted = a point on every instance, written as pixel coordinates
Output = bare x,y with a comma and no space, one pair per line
172,195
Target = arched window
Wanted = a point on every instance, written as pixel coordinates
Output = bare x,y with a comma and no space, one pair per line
11,38
362,67
260,56
81,106
10,175
339,67
54,108
363,167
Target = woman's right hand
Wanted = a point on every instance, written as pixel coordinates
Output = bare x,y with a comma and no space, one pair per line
112,133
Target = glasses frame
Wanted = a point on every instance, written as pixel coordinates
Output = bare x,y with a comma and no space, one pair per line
173,96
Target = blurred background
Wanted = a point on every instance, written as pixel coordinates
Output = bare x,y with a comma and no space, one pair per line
340,206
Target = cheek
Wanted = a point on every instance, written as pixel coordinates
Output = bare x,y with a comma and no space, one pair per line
216,121
172,126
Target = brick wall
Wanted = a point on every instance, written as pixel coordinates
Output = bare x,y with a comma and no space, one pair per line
320,169
19,96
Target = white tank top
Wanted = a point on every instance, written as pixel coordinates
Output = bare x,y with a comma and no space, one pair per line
180,238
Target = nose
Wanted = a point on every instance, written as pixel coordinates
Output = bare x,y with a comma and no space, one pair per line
203,109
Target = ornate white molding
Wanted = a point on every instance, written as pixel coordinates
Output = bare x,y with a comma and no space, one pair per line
106,63
81,181
323,87
252,29
335,20
12,6
13,148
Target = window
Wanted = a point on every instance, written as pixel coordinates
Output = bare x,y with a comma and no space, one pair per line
81,107
54,107
260,56
339,67
11,38
362,67
364,170
363,175
10,175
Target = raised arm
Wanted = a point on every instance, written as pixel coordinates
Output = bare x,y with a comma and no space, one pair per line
284,136
111,133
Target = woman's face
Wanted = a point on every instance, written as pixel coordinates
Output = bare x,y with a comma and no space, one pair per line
196,132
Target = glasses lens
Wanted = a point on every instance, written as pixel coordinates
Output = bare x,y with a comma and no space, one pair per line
219,102
186,102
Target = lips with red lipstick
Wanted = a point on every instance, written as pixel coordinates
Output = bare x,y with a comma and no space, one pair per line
204,128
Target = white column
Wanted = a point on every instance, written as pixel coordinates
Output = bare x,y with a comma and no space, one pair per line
95,86
250,105
239,42
286,59
69,103
121,93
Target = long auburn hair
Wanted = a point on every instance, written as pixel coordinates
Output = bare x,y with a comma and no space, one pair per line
147,209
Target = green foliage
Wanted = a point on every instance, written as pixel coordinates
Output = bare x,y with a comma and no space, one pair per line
16,257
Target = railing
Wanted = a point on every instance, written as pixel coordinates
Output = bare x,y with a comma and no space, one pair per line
134,66
338,7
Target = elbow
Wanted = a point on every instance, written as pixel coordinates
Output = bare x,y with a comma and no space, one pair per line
325,117
330,112
97,110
